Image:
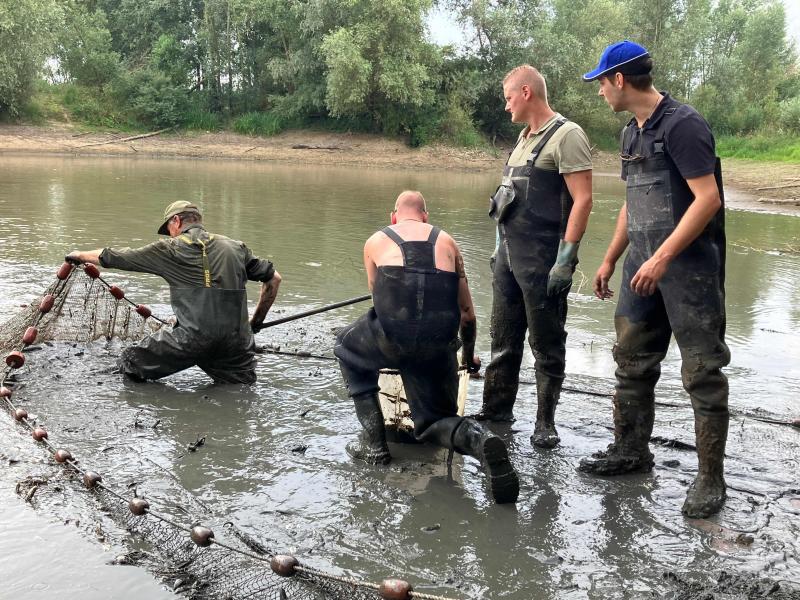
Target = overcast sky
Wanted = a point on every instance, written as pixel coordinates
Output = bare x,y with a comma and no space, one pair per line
444,29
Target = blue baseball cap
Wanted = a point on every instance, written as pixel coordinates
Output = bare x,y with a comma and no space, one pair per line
626,57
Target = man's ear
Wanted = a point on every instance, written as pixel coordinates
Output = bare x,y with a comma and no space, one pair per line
425,217
619,80
526,91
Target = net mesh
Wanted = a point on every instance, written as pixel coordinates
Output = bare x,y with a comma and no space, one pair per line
80,307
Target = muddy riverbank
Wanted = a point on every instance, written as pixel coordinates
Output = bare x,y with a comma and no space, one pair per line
756,185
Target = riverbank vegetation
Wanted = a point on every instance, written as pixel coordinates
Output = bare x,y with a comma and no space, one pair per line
260,67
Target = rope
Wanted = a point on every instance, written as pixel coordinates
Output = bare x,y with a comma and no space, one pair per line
71,463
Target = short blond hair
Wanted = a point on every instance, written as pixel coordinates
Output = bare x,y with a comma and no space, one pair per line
530,76
411,200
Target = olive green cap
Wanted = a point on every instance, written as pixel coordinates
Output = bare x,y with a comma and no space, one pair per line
176,208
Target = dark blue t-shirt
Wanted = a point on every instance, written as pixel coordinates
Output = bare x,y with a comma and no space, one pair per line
688,140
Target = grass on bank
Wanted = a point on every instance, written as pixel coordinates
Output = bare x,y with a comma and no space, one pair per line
761,147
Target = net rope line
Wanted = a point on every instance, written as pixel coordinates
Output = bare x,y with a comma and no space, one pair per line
286,566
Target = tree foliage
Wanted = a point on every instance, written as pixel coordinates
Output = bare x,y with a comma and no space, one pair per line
267,64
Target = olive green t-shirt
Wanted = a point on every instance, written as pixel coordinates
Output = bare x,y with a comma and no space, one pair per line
567,151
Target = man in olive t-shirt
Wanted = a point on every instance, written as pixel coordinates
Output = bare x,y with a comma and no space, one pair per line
207,274
542,207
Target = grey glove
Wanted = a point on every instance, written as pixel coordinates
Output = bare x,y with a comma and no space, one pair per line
493,257
560,277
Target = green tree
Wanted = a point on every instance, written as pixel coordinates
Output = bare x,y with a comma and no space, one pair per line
26,40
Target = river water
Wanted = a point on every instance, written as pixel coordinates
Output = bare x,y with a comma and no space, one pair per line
273,461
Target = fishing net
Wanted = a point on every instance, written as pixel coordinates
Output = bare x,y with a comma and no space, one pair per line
80,306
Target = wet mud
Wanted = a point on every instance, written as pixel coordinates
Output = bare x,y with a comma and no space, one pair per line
272,461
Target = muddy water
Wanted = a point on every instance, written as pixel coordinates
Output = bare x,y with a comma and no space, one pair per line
274,461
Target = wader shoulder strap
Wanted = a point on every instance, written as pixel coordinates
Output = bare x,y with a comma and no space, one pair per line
206,265
545,138
392,235
434,234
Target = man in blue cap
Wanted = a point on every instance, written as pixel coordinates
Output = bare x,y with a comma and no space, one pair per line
541,207
672,224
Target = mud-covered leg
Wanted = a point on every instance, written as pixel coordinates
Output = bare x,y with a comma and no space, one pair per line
157,356
546,320
508,326
643,334
370,446
696,308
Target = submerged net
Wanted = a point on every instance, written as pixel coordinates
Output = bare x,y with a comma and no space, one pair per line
80,307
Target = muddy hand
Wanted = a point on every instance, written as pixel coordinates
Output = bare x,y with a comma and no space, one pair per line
645,282
601,279
73,258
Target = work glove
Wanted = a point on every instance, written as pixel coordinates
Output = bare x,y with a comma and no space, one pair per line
473,365
560,277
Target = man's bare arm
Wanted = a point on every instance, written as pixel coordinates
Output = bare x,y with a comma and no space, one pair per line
87,256
269,291
579,185
468,329
369,263
619,242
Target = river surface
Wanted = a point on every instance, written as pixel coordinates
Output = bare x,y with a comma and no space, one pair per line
273,461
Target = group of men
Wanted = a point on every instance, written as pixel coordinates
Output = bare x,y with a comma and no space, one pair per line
672,225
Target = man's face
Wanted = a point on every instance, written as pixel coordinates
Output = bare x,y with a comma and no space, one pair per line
516,97
611,91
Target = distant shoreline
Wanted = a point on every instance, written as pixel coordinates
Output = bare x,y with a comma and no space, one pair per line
750,184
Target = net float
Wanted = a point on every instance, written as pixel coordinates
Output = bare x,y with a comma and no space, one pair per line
138,506
143,311
395,589
91,270
116,292
283,564
30,335
5,392
91,479
64,271
15,359
62,456
39,434
47,303
202,536
20,414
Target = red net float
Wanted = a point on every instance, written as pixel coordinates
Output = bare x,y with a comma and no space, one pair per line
64,271
91,270
39,434
62,456
15,359
5,392
202,536
138,506
395,589
91,479
116,292
30,335
46,305
144,311
20,414
283,564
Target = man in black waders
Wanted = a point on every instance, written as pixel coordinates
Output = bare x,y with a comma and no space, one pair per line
672,223
206,274
542,207
421,304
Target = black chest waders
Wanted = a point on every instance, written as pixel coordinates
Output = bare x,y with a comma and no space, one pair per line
413,328
689,303
532,208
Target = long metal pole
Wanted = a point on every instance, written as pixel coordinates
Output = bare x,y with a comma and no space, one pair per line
315,311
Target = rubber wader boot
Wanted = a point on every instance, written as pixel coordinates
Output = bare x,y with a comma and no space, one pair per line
472,438
707,493
370,446
629,453
548,391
